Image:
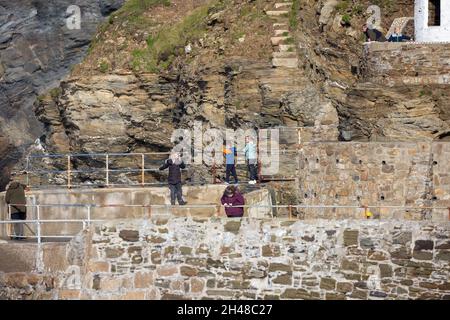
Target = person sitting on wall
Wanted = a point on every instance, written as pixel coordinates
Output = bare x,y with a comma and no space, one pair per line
233,202
397,36
373,34
175,164
15,198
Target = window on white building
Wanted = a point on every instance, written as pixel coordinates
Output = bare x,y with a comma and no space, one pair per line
434,13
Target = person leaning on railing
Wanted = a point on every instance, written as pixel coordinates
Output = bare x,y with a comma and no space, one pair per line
15,198
233,202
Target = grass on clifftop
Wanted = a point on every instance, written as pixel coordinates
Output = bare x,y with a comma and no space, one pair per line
163,48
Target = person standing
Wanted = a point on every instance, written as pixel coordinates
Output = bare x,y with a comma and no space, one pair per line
230,161
175,164
15,198
233,202
373,34
251,157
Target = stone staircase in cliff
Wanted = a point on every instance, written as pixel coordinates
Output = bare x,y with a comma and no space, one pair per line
284,54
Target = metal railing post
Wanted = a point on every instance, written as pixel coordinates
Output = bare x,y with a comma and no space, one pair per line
38,224
68,172
10,229
107,170
143,170
88,207
28,169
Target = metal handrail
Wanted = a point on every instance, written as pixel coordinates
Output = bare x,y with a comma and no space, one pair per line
87,222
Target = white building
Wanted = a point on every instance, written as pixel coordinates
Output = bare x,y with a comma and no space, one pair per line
432,20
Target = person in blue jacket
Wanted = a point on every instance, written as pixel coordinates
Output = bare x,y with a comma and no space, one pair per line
397,36
230,161
252,159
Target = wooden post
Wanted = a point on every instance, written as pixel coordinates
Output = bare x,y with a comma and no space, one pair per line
143,170
290,212
68,172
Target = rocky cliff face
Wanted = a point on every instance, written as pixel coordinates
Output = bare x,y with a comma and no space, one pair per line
37,50
404,101
156,68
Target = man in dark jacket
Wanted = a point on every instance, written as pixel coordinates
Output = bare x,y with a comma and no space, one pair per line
373,34
15,198
175,164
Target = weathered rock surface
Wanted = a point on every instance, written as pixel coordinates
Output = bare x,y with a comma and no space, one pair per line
37,50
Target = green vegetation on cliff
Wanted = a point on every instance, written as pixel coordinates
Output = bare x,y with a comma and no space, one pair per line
163,48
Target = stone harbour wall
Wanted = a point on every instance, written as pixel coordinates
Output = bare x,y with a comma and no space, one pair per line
379,175
185,258
406,63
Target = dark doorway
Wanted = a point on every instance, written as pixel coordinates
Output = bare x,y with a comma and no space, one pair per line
434,13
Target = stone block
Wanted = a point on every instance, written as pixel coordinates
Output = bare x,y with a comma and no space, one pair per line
443,255
423,245
129,235
297,294
143,280
422,255
134,295
67,294
344,287
351,237
327,284
113,252
385,270
167,270
285,279
197,285
403,237
359,294
335,296
110,284
280,267
98,266
232,226
188,271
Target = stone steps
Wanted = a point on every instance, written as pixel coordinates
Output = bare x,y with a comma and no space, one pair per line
277,13
283,5
282,33
277,40
278,26
284,54
285,62
286,48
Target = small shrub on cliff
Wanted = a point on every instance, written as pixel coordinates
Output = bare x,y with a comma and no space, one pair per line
346,20
104,66
55,92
